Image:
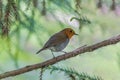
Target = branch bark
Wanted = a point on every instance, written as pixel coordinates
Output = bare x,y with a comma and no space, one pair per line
76,52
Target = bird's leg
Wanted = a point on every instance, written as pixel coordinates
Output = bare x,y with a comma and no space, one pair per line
64,52
53,54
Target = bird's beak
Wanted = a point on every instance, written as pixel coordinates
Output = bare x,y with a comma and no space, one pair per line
76,34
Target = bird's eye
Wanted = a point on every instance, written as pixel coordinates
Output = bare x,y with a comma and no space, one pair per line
71,31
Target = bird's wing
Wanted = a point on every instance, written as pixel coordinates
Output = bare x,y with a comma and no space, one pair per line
56,39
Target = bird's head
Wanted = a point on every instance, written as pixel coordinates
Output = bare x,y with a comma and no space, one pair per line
69,32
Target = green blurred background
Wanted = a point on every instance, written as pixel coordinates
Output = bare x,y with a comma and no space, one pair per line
37,20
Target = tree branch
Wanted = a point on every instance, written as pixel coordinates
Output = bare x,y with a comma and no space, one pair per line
76,52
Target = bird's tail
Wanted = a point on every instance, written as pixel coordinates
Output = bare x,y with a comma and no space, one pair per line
39,51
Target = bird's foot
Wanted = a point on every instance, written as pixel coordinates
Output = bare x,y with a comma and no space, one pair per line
64,52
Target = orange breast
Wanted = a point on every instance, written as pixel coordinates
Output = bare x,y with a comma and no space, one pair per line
69,35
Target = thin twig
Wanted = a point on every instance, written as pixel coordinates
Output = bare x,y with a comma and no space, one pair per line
44,8
76,52
1,9
41,73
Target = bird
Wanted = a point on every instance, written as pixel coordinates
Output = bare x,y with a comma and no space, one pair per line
58,41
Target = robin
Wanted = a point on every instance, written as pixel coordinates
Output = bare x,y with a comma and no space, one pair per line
58,41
